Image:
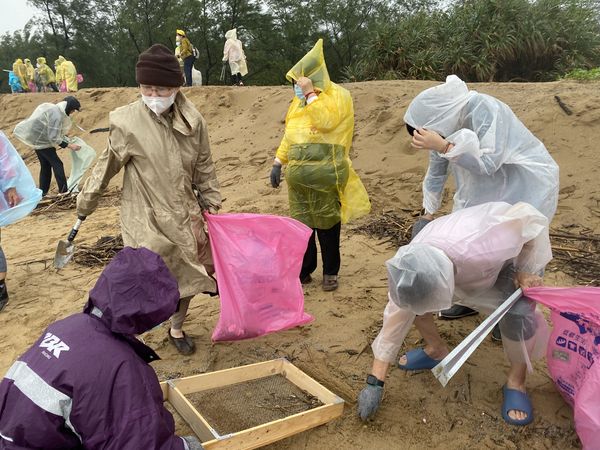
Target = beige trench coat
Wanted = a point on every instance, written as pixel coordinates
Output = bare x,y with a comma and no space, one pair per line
162,157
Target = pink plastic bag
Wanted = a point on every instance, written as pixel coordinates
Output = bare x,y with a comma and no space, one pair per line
573,354
257,264
62,87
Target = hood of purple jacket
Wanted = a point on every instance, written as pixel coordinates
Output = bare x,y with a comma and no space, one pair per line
135,292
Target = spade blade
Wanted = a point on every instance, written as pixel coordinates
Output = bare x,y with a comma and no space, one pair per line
64,253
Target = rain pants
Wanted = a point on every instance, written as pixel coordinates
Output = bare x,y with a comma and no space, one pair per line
46,127
486,244
233,53
164,159
494,158
86,382
323,188
14,174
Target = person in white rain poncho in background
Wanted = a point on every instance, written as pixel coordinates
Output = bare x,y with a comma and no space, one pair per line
46,128
490,153
476,256
233,53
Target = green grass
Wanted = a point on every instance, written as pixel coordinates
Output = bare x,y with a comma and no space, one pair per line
584,74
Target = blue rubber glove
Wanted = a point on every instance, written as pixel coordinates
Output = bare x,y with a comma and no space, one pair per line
418,226
276,175
369,400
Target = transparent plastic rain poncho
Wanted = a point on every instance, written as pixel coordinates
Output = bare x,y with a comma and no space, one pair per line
323,188
485,245
233,52
80,162
495,157
14,174
46,127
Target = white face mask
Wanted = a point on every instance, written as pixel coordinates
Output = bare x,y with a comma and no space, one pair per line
159,104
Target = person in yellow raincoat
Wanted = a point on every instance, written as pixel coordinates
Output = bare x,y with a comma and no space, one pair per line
60,75
323,189
47,78
69,72
30,74
20,70
186,53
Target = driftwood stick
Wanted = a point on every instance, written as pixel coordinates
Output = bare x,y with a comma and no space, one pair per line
562,105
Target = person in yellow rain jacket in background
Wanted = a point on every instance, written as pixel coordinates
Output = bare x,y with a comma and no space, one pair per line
47,78
20,71
60,75
30,70
323,189
69,72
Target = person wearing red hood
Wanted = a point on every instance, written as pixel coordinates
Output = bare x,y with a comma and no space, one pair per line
86,383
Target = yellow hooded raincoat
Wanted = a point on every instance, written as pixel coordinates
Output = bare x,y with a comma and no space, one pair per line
45,72
323,188
20,70
69,73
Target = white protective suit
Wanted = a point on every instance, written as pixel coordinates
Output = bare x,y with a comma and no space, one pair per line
233,53
46,127
494,158
486,244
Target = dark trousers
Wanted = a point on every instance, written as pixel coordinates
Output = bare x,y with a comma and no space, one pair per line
330,251
49,162
188,63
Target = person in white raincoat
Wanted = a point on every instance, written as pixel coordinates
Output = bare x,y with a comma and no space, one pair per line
233,53
46,128
490,153
474,256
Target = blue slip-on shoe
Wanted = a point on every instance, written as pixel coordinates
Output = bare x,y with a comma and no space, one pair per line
517,401
417,359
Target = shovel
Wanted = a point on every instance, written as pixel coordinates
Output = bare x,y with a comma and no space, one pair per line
448,366
66,249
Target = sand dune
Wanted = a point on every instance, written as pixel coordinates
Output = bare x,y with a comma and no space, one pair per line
246,125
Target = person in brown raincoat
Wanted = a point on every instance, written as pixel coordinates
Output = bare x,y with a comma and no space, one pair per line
162,142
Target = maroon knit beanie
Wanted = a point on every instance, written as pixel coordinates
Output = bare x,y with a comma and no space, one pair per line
158,66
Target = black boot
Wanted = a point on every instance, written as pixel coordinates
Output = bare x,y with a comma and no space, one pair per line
3,295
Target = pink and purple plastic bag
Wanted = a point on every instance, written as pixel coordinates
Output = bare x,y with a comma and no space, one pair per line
257,265
573,354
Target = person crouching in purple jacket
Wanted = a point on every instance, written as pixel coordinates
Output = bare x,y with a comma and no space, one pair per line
86,382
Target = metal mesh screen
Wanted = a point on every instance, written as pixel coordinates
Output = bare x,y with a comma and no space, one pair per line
236,407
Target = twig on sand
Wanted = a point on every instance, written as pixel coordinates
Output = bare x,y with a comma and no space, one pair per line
562,105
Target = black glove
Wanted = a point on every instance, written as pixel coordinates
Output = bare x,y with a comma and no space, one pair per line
276,175
418,226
